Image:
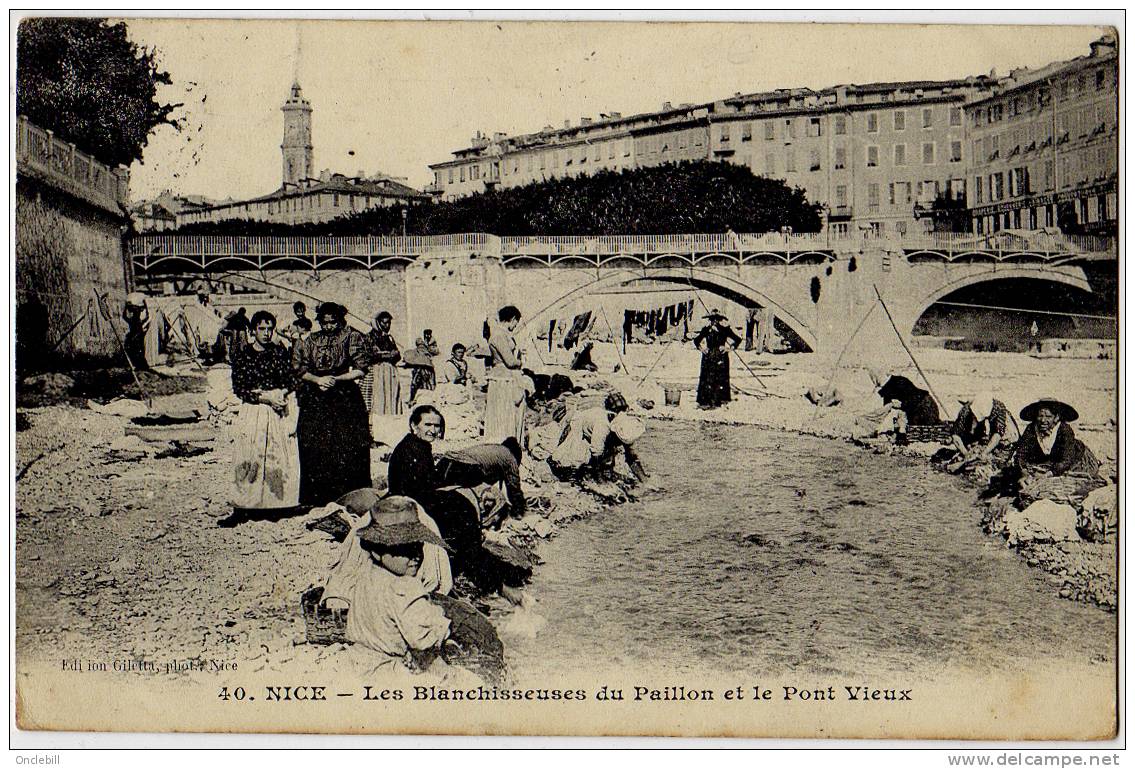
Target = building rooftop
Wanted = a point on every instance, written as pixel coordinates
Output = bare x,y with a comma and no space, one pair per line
380,187
791,98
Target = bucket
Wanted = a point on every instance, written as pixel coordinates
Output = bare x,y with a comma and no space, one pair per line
672,394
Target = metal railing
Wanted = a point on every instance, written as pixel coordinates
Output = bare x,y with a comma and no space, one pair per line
38,150
207,252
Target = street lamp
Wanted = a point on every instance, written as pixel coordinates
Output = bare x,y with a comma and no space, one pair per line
403,222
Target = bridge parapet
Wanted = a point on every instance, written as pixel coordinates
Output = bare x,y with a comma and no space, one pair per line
157,254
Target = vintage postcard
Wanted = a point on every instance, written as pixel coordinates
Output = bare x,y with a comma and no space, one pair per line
566,378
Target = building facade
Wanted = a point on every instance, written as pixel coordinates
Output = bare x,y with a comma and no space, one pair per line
1045,147
310,200
303,198
869,153
1038,148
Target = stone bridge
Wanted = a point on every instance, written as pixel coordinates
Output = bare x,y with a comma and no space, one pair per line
825,289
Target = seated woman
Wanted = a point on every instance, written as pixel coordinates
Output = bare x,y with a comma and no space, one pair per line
1048,445
980,429
392,623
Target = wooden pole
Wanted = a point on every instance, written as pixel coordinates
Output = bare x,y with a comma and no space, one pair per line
914,360
102,311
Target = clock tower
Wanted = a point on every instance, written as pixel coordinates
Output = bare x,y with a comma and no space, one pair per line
297,137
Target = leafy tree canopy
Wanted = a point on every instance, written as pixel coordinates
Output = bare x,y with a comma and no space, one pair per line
688,197
89,83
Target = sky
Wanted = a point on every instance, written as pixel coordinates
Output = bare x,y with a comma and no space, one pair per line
393,97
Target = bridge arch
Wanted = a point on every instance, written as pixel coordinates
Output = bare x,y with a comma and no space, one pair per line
1070,277
713,282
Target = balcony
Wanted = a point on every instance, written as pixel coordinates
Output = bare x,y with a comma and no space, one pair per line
40,154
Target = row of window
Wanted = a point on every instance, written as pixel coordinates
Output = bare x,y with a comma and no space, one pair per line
814,126
904,193
534,161
1072,124
1040,97
840,162
311,202
1077,168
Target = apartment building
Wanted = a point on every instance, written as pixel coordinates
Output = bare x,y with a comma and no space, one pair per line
1044,147
872,154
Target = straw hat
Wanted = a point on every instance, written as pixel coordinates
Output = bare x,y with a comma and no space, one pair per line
136,298
1062,410
393,520
715,314
627,429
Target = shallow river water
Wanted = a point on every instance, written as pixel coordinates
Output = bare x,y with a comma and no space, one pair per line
773,551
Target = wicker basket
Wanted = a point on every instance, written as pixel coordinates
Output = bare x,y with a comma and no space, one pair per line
323,625
939,433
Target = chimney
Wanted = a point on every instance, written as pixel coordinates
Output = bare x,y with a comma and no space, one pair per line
616,115
667,106
567,124
585,121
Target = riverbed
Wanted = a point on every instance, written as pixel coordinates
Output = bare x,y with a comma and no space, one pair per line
774,552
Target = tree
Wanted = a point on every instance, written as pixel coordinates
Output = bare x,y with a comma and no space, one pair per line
688,197
949,214
88,82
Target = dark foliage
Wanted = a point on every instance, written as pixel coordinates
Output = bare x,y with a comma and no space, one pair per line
950,214
88,82
698,196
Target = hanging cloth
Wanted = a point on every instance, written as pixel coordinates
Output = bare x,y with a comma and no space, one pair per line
578,326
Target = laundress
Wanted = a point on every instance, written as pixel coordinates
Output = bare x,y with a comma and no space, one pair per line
334,440
713,382
266,470
504,400
385,388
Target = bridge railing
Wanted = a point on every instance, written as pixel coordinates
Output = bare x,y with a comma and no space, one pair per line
373,251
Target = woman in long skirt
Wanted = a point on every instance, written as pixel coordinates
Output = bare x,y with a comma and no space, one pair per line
386,390
715,342
266,473
504,403
334,441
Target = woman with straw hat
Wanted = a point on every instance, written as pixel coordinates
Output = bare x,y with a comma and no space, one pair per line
1049,445
391,616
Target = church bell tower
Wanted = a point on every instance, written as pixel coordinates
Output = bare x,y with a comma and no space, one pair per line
297,137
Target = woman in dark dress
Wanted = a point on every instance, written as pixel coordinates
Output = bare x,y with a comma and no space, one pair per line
334,440
1049,445
917,404
715,342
